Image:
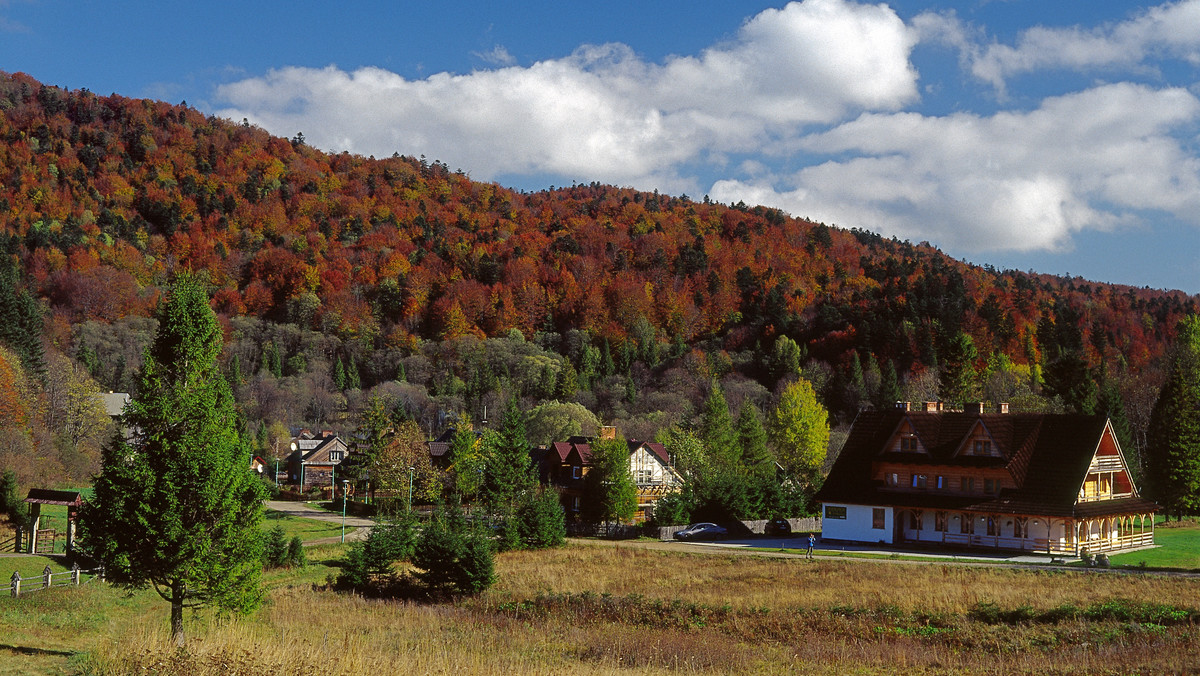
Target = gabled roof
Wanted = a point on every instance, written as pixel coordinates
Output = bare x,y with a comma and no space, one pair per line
1047,456
656,449
318,452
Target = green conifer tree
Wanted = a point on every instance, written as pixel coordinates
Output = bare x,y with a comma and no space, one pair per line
175,507
1173,436
752,437
716,430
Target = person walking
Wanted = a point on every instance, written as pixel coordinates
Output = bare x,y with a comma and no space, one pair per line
812,541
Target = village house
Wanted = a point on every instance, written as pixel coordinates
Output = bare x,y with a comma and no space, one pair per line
1057,484
563,464
314,459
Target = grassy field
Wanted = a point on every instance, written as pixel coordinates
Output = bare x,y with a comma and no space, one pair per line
307,529
601,609
1179,547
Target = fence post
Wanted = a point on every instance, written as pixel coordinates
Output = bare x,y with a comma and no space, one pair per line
75,574
16,583
17,547
46,573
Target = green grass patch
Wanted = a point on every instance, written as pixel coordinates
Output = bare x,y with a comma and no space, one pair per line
1178,547
307,529
29,566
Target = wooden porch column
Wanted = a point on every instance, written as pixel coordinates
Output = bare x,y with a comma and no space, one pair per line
35,518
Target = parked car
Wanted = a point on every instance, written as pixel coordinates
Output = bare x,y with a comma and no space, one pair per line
777,527
701,531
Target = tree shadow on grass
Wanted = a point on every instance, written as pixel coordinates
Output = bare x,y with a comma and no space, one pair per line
29,650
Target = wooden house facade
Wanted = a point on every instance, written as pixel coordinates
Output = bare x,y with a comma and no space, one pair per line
1055,484
563,465
314,459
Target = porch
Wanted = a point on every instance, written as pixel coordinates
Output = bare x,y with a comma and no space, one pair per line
1036,535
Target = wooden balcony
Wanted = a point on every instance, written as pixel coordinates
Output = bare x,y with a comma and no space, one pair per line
1106,463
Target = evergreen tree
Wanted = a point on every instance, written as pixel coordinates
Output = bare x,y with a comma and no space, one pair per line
21,321
607,367
339,375
452,558
1110,403
609,493
508,469
1173,437
175,507
235,371
889,387
11,504
752,437
541,522
353,381
568,383
959,380
716,430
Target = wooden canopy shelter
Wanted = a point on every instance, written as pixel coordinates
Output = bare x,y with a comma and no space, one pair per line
44,496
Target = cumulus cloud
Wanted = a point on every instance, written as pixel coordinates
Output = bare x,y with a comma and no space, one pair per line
1170,30
602,112
1014,180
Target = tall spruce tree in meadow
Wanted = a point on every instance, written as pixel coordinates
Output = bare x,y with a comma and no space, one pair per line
752,437
175,506
716,430
1173,437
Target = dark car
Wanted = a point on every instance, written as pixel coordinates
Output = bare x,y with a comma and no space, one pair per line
777,527
701,531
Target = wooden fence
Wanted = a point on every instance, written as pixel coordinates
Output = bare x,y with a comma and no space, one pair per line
11,543
74,577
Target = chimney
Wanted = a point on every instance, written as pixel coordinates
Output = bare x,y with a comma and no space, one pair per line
973,408
904,405
1002,408
932,406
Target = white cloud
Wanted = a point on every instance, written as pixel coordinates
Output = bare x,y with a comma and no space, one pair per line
1169,30
497,56
1016,180
602,113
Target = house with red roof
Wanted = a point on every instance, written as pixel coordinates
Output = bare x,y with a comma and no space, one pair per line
563,464
1053,483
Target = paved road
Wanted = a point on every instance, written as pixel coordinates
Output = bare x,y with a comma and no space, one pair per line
306,511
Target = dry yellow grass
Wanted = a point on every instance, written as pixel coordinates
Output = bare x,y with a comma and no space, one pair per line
605,610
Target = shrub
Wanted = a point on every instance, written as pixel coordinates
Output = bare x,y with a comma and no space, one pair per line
295,553
454,559
540,520
372,559
10,499
275,548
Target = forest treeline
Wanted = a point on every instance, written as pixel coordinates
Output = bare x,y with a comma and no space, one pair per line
338,277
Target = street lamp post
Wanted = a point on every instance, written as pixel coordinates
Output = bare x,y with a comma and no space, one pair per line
410,484
345,490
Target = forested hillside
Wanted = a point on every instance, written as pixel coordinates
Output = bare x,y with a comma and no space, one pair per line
339,276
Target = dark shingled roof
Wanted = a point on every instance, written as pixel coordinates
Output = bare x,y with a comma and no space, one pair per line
1047,456
45,496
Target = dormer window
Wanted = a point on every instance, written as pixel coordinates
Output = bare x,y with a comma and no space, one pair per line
335,456
908,444
981,447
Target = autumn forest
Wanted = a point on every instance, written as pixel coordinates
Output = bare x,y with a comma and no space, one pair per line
338,277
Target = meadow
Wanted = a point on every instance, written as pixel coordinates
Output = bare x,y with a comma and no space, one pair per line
599,608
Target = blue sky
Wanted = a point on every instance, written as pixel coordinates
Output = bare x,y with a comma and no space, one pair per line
1058,137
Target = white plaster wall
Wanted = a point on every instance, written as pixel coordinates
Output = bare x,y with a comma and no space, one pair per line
857,525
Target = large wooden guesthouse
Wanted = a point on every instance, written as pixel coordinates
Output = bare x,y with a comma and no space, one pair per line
1037,482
